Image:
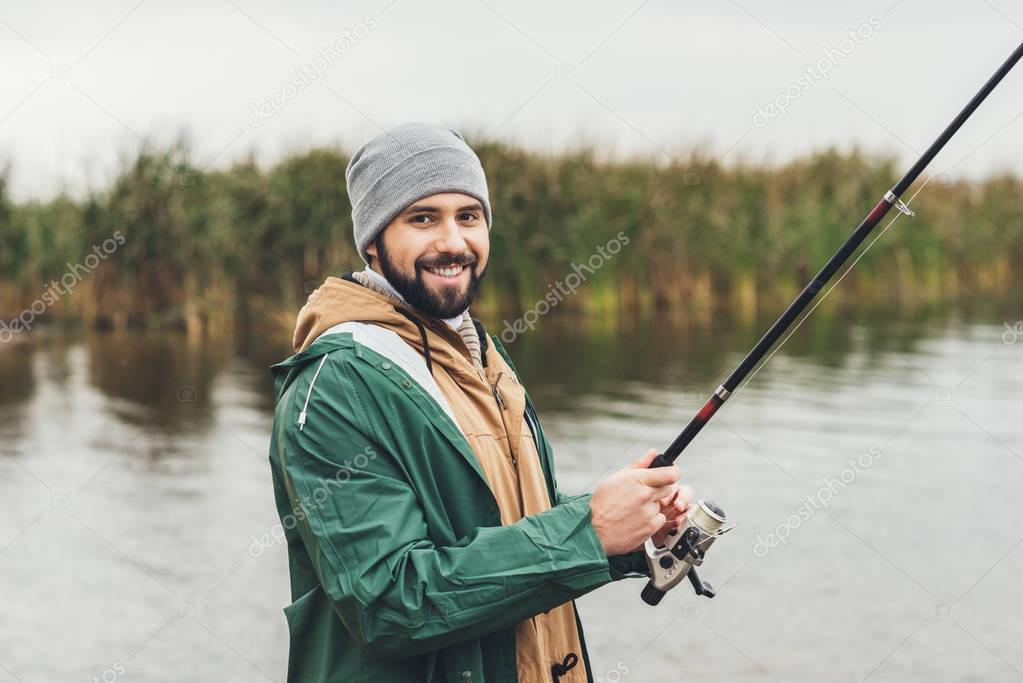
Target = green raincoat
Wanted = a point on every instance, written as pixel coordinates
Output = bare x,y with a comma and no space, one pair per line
400,568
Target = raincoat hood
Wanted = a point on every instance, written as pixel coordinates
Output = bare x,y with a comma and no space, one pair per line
343,299
338,301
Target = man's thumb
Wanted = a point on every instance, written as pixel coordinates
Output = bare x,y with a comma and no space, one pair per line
645,461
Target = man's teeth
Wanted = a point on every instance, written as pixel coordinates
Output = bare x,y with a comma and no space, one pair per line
449,271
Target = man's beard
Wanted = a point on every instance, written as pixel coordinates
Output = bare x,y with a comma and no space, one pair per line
445,305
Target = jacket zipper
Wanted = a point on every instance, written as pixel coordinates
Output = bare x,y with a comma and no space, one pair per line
533,428
496,391
493,387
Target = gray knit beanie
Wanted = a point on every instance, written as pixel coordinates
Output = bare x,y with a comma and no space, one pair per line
403,165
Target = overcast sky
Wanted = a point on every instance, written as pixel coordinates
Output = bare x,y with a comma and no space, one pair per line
83,86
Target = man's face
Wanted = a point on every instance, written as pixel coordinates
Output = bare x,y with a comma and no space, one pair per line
435,253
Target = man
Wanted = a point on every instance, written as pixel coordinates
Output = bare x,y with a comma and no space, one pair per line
426,536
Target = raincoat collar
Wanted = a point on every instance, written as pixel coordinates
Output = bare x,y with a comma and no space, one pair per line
344,299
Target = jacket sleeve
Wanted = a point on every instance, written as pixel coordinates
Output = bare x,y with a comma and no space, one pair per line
362,524
624,566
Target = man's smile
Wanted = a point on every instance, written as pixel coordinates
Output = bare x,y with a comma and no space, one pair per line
448,274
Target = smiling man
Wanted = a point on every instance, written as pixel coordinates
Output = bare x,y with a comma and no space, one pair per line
427,539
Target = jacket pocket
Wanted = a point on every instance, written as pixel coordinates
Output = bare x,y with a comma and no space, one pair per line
297,613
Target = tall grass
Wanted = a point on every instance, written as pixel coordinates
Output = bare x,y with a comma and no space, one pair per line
217,248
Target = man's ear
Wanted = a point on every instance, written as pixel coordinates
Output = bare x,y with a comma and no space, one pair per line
371,251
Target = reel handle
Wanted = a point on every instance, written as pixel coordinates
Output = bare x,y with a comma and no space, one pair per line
651,594
700,586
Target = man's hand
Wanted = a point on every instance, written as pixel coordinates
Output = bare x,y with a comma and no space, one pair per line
633,504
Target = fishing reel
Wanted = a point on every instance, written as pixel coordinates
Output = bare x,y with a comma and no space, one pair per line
684,552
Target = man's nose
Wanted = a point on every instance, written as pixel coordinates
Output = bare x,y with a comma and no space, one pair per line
450,237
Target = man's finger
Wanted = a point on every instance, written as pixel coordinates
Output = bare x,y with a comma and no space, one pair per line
681,504
644,462
660,476
658,492
685,493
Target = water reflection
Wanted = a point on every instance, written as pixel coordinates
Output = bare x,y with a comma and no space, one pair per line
159,382
136,504
165,381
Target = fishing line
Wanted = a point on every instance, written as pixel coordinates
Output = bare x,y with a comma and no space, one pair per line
831,289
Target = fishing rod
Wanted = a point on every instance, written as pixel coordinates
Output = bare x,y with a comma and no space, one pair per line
687,546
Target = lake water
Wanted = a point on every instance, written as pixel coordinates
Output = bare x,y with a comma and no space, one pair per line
135,500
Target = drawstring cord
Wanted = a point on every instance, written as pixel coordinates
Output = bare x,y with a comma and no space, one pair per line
559,670
482,335
301,416
422,336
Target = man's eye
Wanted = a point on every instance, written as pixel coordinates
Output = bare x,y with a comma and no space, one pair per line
415,219
469,217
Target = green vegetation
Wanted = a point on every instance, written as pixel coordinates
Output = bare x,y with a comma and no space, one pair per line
216,248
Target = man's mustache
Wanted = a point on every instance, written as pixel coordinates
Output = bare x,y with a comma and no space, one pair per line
467,260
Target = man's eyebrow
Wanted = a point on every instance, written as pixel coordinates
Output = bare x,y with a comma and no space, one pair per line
423,208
